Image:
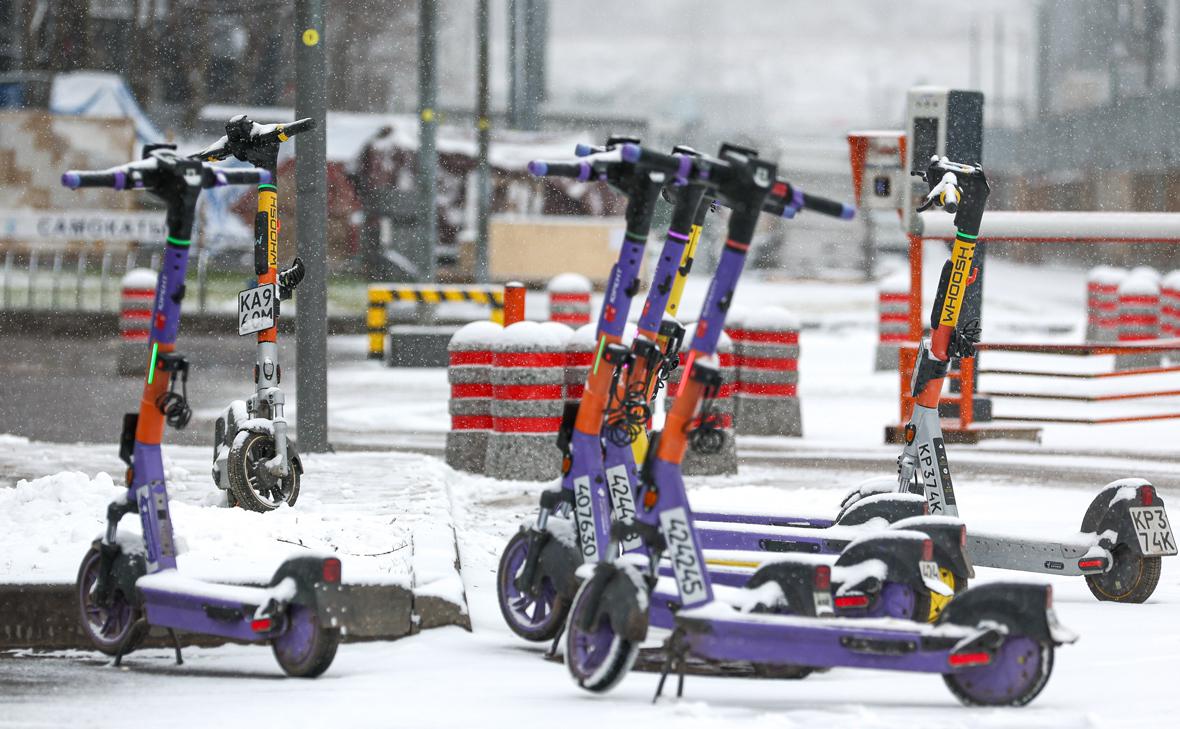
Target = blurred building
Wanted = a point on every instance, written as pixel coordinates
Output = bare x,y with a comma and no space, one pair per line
1104,135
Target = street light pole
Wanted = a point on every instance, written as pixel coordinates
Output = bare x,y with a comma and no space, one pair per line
484,132
311,318
427,137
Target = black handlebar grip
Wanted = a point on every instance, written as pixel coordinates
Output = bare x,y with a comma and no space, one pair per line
828,207
580,171
232,176
74,179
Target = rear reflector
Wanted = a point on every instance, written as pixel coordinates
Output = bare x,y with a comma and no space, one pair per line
823,577
963,536
927,550
1048,597
959,660
1089,564
332,570
852,601
261,625
1146,495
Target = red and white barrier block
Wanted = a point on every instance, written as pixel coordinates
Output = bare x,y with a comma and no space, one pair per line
893,319
135,320
569,299
528,389
1102,303
767,346
469,372
1139,316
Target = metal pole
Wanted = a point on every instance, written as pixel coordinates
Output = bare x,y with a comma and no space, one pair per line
427,136
484,134
81,282
311,343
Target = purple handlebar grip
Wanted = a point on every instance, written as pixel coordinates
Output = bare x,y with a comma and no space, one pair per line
120,180
581,150
584,171
264,177
683,170
538,168
630,153
71,180
219,177
847,212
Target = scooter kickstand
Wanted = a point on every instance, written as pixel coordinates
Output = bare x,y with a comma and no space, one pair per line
552,652
137,629
176,646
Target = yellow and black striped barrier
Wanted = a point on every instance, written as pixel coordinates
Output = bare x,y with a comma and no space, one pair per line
381,295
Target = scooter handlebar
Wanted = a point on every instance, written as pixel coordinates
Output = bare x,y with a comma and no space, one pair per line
233,176
580,171
146,174
75,179
259,134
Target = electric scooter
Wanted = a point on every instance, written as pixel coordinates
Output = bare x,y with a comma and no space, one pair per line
254,461
536,578
993,644
126,586
1125,531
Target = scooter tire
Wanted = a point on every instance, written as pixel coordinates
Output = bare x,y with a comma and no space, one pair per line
110,627
537,619
306,648
245,479
599,659
1131,578
1019,672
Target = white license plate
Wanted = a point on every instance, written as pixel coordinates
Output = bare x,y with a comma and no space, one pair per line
256,309
929,570
823,603
1154,531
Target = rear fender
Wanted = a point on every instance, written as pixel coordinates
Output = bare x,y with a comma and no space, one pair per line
125,569
559,562
796,579
888,506
1110,511
1023,608
946,533
901,553
614,594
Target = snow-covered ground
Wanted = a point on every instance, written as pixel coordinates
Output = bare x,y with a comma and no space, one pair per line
372,506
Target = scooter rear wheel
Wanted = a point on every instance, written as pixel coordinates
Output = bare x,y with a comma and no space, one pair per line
600,658
254,488
533,617
1019,671
306,648
107,626
1131,578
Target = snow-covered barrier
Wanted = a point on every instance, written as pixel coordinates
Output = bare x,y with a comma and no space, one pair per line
1139,316
569,299
718,412
135,319
579,355
893,319
1102,303
528,387
766,342
1170,305
469,372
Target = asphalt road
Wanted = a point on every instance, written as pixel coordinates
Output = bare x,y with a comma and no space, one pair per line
68,390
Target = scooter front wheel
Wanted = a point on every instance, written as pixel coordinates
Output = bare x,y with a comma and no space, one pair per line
306,648
537,617
253,486
599,658
106,625
1019,671
1131,578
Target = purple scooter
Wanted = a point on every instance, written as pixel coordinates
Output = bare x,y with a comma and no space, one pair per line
125,587
993,644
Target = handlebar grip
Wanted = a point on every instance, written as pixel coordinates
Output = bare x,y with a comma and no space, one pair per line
585,150
951,199
680,166
825,206
75,179
242,177
298,127
580,171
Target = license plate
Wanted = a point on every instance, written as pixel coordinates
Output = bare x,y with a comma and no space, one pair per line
1154,531
256,309
823,603
929,570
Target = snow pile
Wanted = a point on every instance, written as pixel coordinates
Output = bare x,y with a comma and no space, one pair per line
476,335
1139,283
569,283
771,319
533,336
139,278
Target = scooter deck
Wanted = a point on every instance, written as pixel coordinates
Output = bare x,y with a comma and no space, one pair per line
184,603
1026,554
754,537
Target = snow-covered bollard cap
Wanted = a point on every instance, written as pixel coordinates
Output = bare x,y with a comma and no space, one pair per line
771,319
1139,284
569,283
895,283
478,335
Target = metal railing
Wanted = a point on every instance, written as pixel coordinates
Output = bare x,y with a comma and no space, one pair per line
82,281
